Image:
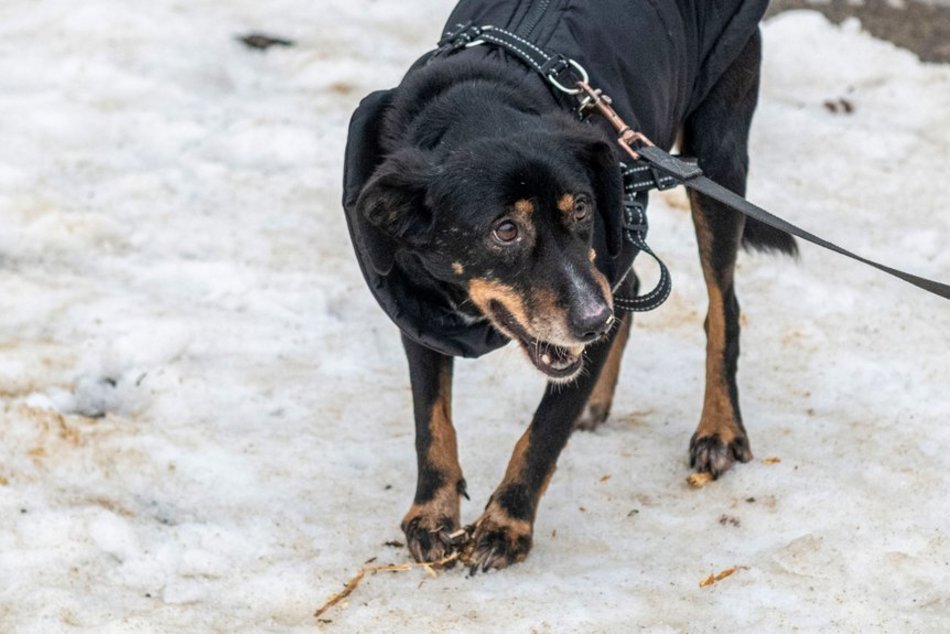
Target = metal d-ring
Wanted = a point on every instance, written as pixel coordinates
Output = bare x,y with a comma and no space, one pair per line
570,91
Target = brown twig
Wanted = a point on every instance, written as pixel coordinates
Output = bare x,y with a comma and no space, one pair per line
711,579
429,566
345,592
699,480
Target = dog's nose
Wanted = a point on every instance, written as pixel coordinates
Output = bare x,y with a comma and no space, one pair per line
590,321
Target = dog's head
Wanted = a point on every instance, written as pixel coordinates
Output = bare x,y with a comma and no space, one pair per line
511,221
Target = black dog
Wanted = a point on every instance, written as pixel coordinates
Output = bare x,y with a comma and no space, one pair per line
481,212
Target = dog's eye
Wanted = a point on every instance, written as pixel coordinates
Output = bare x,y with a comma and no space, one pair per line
581,209
505,232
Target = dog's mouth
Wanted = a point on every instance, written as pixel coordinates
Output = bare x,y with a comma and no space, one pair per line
557,362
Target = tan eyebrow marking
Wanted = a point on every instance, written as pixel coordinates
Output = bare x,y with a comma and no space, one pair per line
566,203
524,207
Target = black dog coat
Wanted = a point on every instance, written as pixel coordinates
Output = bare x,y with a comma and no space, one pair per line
657,59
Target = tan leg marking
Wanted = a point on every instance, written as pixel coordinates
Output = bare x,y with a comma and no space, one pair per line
515,471
720,439
718,416
499,539
443,451
516,464
442,454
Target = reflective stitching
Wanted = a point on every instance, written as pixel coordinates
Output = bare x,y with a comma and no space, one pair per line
525,56
527,43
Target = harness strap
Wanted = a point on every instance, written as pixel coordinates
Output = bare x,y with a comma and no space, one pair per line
551,67
640,176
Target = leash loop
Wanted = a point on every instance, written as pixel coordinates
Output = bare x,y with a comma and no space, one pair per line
635,231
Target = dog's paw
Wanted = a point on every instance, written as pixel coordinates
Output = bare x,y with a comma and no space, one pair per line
709,454
497,541
593,416
430,538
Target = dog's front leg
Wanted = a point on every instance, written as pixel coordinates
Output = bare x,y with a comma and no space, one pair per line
502,535
434,514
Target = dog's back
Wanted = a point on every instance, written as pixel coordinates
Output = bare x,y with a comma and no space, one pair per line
657,59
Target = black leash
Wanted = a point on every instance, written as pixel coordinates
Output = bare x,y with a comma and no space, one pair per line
651,166
693,178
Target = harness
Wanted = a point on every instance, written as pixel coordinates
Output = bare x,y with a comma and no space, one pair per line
648,167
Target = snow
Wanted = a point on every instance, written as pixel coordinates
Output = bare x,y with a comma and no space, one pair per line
206,423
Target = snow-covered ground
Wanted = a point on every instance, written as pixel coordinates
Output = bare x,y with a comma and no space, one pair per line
205,419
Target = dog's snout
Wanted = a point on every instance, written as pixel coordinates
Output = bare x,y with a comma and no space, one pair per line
590,321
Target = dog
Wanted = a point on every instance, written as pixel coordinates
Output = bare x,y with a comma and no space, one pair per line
481,211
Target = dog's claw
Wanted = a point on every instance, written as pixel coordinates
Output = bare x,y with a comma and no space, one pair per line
490,560
496,544
709,454
494,560
430,540
415,549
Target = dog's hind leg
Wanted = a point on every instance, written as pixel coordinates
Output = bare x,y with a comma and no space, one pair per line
717,134
503,533
434,514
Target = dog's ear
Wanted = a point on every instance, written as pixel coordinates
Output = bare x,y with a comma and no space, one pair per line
602,164
392,207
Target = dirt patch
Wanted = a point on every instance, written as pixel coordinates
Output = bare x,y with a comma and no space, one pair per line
918,27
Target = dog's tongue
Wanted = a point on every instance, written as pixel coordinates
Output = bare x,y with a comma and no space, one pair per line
554,360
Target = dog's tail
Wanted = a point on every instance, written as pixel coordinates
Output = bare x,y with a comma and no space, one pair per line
761,237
